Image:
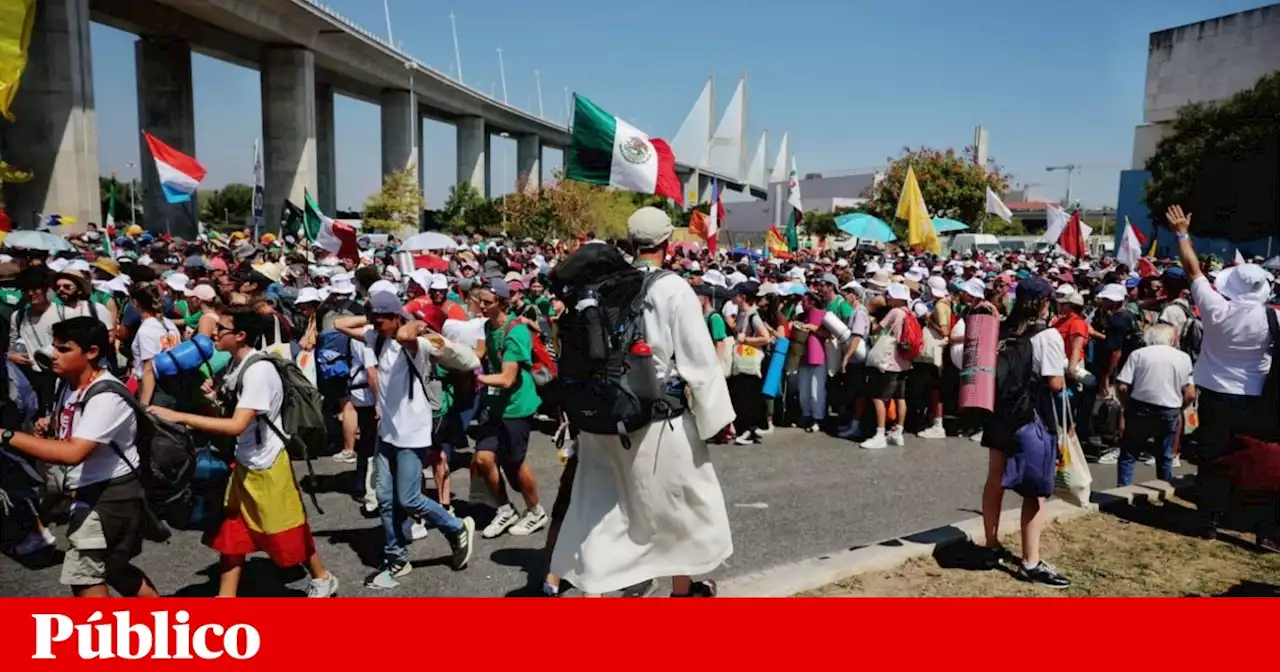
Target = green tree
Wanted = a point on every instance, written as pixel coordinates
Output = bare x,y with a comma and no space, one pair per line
952,184
227,208
821,225
1239,125
397,206
124,202
463,198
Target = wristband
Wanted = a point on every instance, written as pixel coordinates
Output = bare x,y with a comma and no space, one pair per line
1182,237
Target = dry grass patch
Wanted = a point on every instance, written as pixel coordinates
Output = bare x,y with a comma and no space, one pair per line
1141,551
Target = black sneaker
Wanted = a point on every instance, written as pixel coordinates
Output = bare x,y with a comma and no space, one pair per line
994,558
1044,575
388,572
460,543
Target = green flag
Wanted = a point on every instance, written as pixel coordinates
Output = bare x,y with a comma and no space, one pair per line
311,218
290,219
795,211
111,217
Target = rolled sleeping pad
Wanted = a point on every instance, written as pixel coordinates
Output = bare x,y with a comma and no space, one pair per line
217,364
836,326
185,356
798,339
978,374
777,362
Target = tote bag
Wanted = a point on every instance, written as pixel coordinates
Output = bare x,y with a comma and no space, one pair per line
1072,480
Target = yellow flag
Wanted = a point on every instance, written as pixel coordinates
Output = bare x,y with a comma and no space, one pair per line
911,207
17,17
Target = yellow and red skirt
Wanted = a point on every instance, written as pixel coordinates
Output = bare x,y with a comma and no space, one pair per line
263,512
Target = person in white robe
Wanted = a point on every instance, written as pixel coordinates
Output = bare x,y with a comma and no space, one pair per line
657,509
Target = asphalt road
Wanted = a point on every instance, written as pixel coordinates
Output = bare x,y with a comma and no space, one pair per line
796,496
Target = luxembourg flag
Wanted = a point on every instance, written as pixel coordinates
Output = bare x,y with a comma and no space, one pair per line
179,174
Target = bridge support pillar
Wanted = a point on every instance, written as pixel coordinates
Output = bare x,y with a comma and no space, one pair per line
473,153
288,129
326,153
166,109
529,162
401,132
692,188
55,130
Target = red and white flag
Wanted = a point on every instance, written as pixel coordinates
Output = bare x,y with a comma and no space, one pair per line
714,218
1129,251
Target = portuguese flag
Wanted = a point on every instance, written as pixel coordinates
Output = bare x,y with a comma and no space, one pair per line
608,151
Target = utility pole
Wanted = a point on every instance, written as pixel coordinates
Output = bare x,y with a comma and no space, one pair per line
538,78
457,54
502,71
1071,169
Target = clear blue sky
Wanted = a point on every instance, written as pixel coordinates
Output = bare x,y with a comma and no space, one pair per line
852,80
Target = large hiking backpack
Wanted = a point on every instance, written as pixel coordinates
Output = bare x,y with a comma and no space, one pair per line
167,453
610,383
1192,337
912,342
333,356
1018,391
301,412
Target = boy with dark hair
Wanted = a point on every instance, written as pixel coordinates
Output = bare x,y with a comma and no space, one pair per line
98,438
263,508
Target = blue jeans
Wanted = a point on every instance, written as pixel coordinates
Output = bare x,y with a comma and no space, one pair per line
397,478
1144,421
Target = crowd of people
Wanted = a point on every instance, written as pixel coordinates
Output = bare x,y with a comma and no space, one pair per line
224,335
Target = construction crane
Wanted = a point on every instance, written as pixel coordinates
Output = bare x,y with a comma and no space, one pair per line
1071,168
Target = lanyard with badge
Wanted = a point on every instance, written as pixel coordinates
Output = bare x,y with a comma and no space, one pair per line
66,422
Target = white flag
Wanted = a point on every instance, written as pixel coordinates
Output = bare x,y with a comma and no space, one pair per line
793,188
1055,222
1239,257
1130,250
997,207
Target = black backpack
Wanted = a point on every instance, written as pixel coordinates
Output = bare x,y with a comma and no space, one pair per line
167,452
1019,392
610,384
1191,339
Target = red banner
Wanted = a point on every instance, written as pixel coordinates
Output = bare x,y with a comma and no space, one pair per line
457,634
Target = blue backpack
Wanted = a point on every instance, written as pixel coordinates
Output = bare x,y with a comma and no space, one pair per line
333,356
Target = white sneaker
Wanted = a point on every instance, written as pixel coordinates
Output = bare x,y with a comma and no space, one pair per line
937,431
504,519
345,457
327,587
876,442
414,529
1177,461
895,437
766,431
745,440
851,430
532,521
1110,457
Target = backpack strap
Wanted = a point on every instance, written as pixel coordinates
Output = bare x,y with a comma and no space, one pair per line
264,419
117,388
413,370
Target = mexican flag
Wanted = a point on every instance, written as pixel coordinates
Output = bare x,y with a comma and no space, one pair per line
329,234
111,218
608,151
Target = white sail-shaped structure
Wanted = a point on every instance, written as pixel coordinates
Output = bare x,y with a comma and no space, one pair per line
690,142
756,175
782,165
726,153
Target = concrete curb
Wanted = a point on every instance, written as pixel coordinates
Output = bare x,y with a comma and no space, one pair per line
813,573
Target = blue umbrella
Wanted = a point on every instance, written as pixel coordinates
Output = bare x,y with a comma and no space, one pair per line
862,225
943,225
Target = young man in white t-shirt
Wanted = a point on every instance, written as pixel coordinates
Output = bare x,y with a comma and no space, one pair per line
98,439
264,509
395,346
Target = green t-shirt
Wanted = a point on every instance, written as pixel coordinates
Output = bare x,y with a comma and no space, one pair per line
841,308
520,400
446,391
544,305
715,322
